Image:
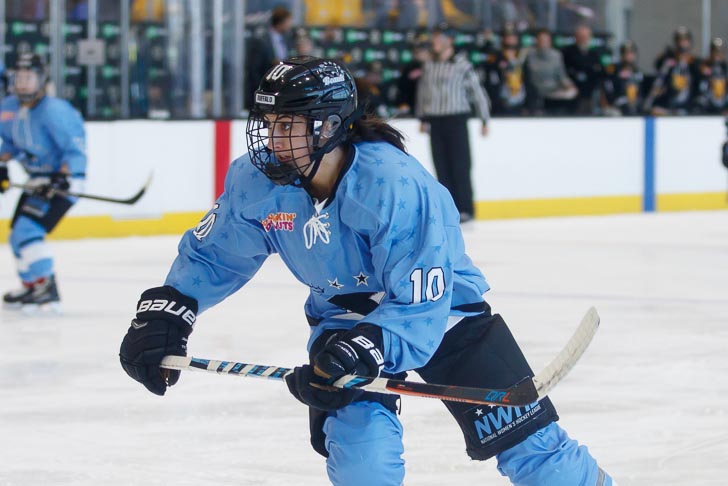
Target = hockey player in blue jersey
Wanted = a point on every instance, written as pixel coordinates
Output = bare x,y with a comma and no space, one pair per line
46,136
378,242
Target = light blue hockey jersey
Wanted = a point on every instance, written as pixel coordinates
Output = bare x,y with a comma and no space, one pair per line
385,249
44,138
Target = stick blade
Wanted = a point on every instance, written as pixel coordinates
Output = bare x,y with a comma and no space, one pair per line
142,191
560,366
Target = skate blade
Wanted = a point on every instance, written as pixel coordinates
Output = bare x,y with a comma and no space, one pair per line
51,308
12,306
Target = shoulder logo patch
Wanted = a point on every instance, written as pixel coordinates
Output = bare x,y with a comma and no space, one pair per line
205,226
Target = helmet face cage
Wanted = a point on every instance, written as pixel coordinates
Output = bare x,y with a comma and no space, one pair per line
304,108
29,78
281,147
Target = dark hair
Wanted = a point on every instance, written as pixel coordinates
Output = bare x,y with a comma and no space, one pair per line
371,128
279,15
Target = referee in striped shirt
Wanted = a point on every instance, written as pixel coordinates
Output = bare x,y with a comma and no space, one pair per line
445,93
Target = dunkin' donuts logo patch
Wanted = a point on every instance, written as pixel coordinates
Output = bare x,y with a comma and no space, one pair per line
279,221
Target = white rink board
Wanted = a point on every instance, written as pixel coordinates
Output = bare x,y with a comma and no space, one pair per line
647,398
122,154
521,159
687,154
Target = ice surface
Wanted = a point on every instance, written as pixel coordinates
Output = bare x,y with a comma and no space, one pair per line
648,397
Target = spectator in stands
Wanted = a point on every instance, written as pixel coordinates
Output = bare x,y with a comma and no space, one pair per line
515,13
410,76
447,89
584,66
570,14
673,90
159,100
403,14
623,84
551,86
505,80
147,11
304,44
712,73
369,91
32,10
263,52
77,10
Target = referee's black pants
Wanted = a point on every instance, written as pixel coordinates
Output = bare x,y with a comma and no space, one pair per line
450,146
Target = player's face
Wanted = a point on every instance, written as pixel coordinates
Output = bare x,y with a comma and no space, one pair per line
26,82
289,139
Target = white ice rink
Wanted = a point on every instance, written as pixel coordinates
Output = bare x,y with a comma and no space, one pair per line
648,397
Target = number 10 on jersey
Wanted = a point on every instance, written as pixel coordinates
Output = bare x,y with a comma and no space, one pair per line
433,283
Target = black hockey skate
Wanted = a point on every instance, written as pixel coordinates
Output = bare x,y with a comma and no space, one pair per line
42,295
14,298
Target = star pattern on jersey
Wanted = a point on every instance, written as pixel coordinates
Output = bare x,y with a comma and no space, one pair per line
196,281
479,412
361,279
335,284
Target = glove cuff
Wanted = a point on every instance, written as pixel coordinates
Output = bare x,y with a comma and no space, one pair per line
169,304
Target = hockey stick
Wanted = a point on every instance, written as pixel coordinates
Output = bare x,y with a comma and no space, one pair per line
128,201
523,393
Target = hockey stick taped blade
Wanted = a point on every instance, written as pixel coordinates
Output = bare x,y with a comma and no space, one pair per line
547,379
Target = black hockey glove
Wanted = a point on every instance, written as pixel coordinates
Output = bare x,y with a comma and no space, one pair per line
4,178
57,183
163,322
355,352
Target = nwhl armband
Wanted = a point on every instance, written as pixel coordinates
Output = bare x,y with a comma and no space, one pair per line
167,303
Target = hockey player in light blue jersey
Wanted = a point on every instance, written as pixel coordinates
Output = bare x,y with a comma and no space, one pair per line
378,242
46,136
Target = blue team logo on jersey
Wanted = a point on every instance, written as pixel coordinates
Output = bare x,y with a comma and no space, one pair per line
205,226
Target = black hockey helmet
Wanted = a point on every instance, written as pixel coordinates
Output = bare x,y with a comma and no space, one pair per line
320,90
716,44
682,33
30,77
627,46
